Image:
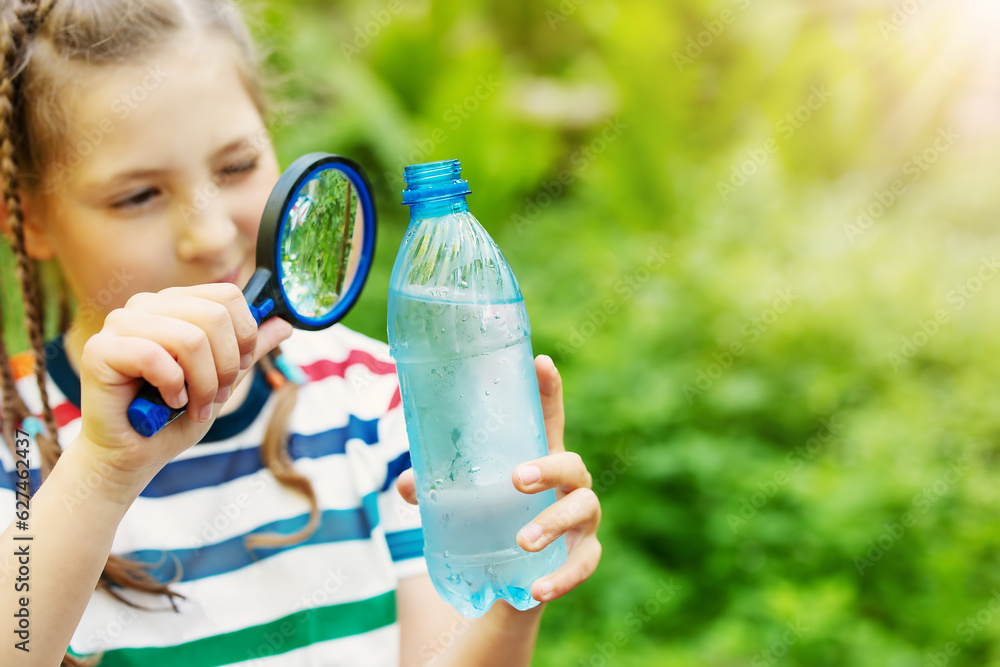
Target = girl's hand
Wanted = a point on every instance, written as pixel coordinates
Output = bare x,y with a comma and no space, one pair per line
576,512
202,336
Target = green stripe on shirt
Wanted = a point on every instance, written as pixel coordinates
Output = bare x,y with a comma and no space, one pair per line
302,628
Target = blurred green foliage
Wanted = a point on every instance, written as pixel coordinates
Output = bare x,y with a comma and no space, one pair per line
767,288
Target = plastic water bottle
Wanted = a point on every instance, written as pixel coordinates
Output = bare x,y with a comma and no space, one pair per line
459,333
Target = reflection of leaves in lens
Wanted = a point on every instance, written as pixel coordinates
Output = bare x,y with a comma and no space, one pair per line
319,242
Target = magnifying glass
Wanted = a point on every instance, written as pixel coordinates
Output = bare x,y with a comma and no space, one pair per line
314,250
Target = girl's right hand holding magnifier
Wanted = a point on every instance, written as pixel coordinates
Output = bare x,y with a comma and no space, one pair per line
195,344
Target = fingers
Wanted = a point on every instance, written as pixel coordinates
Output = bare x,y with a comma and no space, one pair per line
407,487
119,360
579,511
211,317
565,471
550,391
231,297
210,332
186,342
270,334
579,565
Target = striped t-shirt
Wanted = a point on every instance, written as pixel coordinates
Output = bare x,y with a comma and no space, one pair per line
329,600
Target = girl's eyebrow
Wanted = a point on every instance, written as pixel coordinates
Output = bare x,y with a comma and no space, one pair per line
250,141
103,187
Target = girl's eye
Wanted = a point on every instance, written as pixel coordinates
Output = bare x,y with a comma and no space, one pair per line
238,168
136,199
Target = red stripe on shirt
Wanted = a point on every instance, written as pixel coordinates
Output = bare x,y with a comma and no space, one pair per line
325,368
65,413
396,400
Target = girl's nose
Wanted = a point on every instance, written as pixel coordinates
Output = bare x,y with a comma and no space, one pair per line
205,231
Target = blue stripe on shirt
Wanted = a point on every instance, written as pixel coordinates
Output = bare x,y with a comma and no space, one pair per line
231,554
395,467
204,471
406,544
209,470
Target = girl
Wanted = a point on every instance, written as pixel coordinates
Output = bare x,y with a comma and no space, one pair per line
261,527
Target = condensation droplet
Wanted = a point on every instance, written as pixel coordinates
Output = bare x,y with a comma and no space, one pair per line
496,380
432,496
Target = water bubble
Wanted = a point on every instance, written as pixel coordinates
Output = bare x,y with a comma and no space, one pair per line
439,482
496,380
487,392
445,554
463,284
432,496
497,316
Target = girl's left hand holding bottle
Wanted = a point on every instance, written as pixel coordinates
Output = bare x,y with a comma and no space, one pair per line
577,510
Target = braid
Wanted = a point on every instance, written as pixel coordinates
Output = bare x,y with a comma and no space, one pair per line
11,38
274,455
65,310
12,407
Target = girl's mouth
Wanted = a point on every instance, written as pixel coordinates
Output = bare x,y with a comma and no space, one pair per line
230,277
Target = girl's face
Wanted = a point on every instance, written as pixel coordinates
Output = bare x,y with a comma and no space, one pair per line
162,181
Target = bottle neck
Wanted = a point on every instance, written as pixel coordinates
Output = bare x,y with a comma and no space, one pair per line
438,207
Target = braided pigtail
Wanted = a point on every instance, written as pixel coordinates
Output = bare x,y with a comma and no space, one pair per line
17,32
274,455
12,408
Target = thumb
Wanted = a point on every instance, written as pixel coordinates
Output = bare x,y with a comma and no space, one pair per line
271,333
407,487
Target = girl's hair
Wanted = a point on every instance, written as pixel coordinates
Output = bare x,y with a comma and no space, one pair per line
42,45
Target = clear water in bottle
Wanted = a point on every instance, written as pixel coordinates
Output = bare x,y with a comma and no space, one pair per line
459,333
